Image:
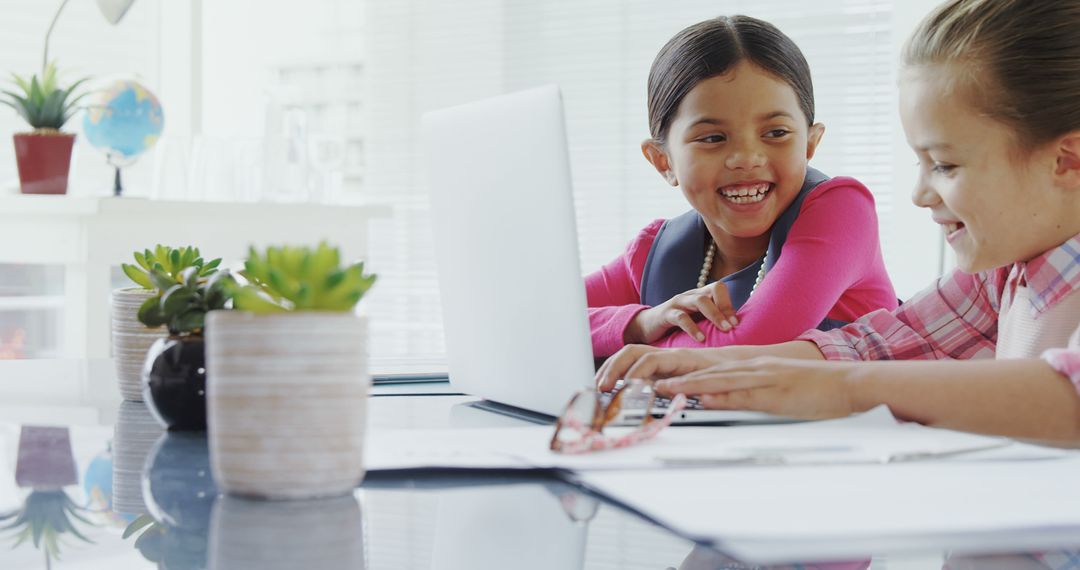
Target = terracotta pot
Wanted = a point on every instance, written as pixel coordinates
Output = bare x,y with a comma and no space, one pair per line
286,402
44,159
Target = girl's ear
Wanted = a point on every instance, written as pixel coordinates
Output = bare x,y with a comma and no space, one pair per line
1067,167
813,137
656,155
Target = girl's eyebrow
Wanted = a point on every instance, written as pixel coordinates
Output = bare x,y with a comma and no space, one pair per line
760,118
933,146
775,115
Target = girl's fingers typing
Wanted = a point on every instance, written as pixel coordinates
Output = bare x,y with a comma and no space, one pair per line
615,367
663,363
712,381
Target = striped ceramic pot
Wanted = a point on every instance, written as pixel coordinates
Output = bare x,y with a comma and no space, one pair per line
286,402
131,340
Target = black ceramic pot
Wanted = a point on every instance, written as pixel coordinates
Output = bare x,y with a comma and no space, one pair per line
174,383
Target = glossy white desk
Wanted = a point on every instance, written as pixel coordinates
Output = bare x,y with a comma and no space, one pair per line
421,521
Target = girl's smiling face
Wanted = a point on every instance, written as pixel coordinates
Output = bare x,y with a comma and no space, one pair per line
997,204
738,147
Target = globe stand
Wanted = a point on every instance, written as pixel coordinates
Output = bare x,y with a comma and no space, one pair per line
116,161
118,188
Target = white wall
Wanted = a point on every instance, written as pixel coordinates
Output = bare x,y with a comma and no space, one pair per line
245,40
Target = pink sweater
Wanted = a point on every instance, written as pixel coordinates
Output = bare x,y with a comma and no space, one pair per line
830,266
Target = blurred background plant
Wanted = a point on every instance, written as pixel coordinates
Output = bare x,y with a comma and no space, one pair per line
289,278
44,104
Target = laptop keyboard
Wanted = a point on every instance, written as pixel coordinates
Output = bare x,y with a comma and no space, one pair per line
660,404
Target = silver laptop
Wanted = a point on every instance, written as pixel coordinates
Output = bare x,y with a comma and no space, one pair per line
513,298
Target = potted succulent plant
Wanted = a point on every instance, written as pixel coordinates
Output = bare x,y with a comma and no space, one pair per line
44,154
131,338
174,374
288,378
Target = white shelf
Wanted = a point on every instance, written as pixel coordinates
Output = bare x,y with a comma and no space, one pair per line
90,235
31,303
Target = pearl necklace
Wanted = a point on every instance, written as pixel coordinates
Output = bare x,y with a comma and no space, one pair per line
703,277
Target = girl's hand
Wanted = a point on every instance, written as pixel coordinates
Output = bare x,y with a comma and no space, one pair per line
795,388
711,302
646,362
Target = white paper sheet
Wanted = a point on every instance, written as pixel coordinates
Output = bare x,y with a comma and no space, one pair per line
875,437
769,515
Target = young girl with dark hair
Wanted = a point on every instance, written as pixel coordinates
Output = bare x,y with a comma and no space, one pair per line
771,247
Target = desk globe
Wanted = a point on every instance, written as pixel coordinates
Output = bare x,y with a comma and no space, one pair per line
124,120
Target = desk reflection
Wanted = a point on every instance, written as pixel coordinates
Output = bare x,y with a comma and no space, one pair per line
287,535
179,494
189,526
524,527
134,435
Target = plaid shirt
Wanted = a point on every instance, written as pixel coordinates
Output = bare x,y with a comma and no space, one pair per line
957,318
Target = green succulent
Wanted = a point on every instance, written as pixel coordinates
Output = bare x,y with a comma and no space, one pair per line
182,306
172,262
46,516
300,279
43,103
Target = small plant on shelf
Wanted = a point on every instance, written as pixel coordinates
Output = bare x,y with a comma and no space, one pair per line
44,104
43,155
290,278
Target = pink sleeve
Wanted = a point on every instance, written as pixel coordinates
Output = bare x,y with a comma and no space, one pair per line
614,292
832,246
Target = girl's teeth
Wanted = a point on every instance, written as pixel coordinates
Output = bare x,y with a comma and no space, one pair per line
746,199
746,194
